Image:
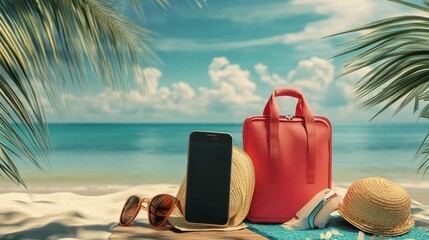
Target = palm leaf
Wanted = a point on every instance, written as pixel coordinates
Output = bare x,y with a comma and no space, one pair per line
397,49
59,45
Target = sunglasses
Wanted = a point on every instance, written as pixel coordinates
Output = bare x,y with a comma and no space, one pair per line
158,209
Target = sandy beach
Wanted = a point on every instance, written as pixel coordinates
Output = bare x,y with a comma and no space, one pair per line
67,215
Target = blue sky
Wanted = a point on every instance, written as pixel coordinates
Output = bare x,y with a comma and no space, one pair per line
221,63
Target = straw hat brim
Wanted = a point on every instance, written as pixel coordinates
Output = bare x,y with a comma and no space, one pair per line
379,206
369,228
242,186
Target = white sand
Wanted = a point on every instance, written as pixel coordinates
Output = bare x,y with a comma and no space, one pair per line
65,215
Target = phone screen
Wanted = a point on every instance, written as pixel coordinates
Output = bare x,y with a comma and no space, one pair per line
208,178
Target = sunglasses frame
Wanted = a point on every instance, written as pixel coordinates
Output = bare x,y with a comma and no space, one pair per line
148,202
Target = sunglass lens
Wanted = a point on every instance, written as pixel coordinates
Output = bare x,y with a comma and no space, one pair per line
159,209
131,207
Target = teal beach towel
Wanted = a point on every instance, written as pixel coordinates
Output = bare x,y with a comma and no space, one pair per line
337,228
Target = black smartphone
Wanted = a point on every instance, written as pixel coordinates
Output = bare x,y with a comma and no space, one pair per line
208,178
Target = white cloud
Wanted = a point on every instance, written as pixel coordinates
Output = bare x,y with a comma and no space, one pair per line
315,78
182,91
312,76
341,16
273,80
327,96
222,74
232,84
231,97
232,93
147,78
117,105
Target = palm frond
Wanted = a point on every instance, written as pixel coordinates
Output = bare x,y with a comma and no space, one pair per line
422,154
413,5
58,45
397,49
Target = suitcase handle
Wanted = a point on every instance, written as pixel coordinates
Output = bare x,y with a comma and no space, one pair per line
290,93
302,110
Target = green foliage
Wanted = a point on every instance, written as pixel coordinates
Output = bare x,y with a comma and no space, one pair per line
50,46
397,50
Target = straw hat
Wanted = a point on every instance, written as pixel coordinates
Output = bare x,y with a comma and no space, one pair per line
242,185
377,206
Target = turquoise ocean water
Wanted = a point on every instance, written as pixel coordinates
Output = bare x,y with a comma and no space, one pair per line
133,154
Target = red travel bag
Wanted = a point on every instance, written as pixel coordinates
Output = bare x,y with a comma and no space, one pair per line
292,158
